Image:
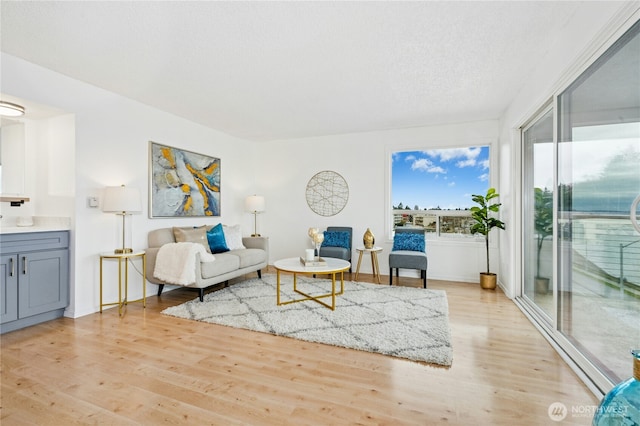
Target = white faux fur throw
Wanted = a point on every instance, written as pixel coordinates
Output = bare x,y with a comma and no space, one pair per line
176,262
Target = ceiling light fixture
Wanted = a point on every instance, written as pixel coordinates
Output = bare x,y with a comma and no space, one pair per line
11,110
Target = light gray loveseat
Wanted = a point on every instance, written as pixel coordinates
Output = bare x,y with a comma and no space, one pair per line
227,265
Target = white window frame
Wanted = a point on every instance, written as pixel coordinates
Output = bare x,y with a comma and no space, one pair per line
434,145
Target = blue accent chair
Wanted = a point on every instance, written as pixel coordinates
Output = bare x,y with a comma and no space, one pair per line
409,252
343,252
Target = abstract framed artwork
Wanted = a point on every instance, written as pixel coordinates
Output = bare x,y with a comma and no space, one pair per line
182,183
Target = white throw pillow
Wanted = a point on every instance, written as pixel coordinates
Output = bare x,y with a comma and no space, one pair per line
233,236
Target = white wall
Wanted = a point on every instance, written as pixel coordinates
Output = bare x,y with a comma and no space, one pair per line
362,159
111,146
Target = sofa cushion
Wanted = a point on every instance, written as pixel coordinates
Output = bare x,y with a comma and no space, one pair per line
250,257
192,235
224,263
217,242
233,237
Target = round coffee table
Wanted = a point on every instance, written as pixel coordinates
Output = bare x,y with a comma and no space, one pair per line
295,266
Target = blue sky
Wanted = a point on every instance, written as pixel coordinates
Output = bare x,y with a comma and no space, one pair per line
439,177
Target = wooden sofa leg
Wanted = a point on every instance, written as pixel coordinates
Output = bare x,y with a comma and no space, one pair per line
390,276
259,273
424,277
160,288
201,294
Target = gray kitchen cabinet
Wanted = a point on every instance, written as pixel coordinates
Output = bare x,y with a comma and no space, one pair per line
34,269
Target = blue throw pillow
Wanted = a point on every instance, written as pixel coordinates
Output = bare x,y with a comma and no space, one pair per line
215,237
408,241
336,239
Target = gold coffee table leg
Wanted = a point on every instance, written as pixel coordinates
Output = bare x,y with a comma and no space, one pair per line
333,291
278,287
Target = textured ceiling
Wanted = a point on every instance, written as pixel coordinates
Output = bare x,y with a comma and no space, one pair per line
276,70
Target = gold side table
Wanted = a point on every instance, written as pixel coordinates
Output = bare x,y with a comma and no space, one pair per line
374,260
123,258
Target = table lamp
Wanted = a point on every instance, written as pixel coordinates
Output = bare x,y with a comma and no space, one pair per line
254,204
124,201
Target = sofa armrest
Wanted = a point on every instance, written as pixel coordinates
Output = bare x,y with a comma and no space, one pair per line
151,255
256,242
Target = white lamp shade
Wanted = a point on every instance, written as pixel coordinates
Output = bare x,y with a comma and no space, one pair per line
254,204
121,199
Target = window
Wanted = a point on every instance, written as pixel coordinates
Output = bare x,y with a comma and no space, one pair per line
432,188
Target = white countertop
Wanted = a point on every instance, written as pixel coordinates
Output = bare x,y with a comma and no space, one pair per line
40,224
27,229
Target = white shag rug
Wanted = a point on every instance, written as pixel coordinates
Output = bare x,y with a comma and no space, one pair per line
403,322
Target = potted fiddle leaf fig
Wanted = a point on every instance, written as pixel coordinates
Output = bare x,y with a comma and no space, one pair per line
543,221
484,223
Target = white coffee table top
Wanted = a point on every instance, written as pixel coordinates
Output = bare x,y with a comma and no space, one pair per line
293,264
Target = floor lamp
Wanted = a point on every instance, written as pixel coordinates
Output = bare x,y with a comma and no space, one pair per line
254,204
123,201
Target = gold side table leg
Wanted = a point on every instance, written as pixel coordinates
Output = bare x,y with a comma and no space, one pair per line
126,282
120,287
144,281
101,304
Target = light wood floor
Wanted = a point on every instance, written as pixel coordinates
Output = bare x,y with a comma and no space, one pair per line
147,368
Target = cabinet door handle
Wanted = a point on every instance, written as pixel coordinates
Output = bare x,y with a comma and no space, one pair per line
24,265
11,267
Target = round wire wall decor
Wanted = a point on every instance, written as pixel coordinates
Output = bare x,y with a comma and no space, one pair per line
327,193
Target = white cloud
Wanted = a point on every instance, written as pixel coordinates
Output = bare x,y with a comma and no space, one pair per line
421,164
470,153
425,165
484,177
451,184
586,160
470,162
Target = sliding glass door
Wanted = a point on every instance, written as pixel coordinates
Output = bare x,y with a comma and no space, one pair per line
538,149
598,179
579,183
